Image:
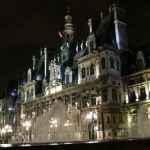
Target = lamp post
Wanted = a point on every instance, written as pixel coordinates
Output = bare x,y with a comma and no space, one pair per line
91,117
68,124
100,118
53,125
27,126
6,131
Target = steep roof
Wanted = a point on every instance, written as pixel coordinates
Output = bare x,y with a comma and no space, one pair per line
105,32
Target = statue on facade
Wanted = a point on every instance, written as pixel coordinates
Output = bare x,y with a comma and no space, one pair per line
90,25
52,68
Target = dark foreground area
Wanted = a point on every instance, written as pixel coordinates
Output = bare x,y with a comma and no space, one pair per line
126,144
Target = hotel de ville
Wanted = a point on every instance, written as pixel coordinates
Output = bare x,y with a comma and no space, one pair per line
94,89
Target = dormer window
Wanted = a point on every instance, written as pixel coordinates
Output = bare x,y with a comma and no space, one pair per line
91,45
92,69
103,63
67,79
141,64
83,72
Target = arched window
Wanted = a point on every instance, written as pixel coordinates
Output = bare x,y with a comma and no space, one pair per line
103,63
117,65
111,62
92,69
83,72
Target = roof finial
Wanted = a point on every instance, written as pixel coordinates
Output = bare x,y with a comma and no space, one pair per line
68,9
68,17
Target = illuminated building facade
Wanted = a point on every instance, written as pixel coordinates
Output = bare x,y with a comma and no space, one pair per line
94,90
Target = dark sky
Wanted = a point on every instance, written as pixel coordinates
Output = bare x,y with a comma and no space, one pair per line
28,25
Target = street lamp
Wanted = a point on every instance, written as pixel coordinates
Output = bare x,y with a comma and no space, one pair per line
91,117
53,124
100,117
27,126
6,130
69,132
67,123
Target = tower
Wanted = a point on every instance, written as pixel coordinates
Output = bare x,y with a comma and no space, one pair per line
68,47
111,89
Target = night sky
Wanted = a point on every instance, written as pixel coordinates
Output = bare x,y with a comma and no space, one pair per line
28,25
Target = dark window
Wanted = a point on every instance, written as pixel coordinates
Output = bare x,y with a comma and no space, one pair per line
114,119
83,72
114,95
92,69
66,99
108,120
131,81
67,79
93,88
73,99
140,64
118,65
140,79
142,93
48,104
91,45
132,97
93,99
103,63
120,118
111,62
59,98
84,101
104,95
134,116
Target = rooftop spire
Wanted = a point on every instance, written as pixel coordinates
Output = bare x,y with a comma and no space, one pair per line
68,31
68,17
68,9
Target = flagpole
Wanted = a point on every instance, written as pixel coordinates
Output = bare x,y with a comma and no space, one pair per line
45,52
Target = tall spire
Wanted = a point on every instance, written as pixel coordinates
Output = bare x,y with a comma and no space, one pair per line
68,31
